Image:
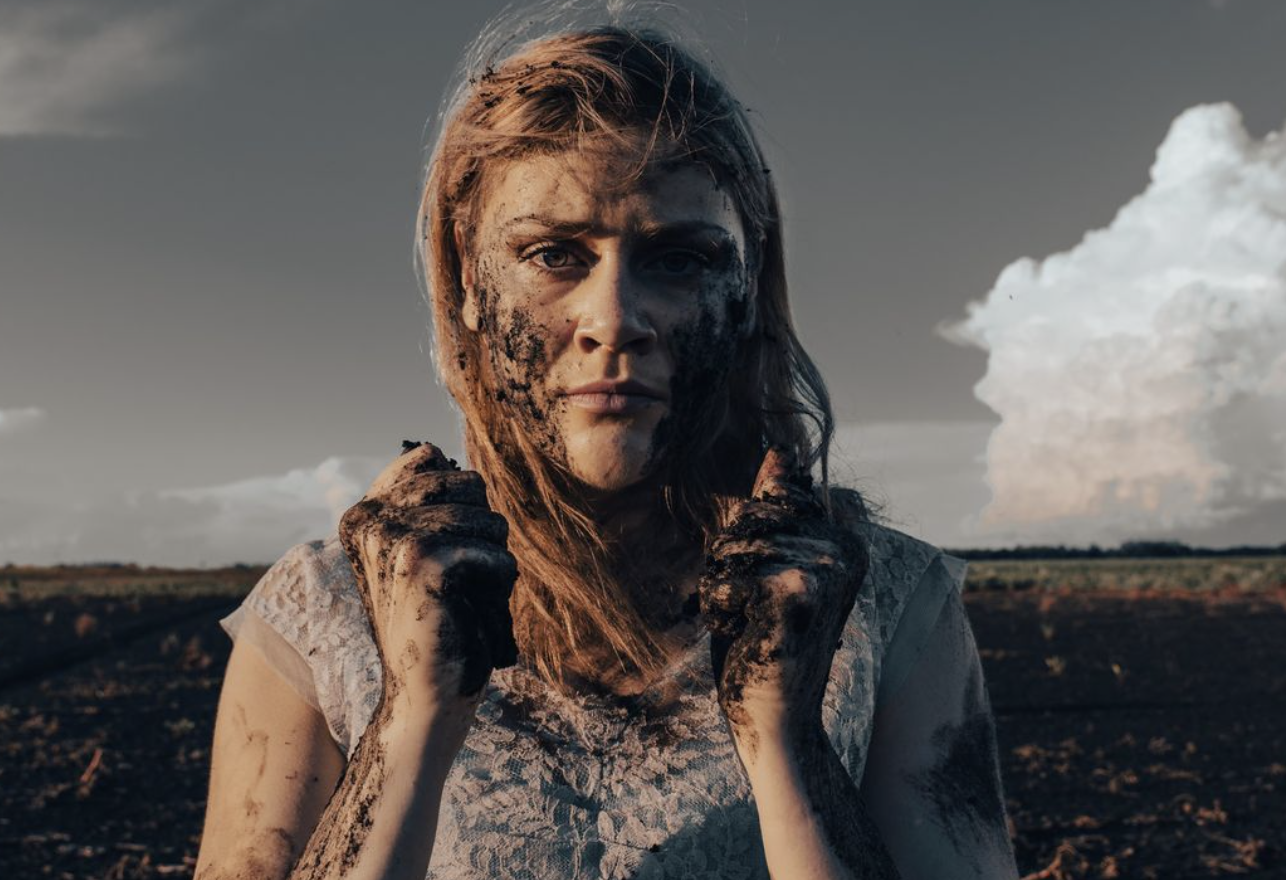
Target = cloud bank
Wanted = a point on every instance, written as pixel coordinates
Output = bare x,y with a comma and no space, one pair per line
65,64
18,419
1140,377
253,520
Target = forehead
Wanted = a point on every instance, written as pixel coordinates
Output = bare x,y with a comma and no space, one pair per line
596,190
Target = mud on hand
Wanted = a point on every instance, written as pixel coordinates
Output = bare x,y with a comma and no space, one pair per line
434,573
779,584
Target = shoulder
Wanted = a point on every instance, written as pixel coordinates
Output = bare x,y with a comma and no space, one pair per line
899,568
311,575
310,597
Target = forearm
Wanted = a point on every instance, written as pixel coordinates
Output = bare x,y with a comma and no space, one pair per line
381,821
811,815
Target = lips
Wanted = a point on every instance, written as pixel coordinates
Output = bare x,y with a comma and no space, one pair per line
627,387
608,397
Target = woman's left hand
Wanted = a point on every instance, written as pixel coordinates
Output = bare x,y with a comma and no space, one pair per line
779,584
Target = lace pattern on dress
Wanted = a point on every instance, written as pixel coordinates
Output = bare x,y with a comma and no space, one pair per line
310,597
586,786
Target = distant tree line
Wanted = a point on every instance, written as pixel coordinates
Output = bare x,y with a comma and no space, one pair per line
1128,550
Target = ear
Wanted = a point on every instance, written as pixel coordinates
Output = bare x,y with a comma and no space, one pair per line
469,308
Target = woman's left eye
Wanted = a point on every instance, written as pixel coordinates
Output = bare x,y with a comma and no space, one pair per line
680,262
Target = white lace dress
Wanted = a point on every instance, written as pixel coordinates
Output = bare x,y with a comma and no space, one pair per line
554,787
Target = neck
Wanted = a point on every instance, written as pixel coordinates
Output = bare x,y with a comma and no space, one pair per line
625,513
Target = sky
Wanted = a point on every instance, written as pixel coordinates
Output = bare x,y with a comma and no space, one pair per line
1038,251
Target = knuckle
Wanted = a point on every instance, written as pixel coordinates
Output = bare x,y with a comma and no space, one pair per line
792,582
409,559
480,555
359,514
418,458
716,593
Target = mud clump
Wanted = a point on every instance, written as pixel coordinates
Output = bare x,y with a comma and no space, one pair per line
764,632
437,508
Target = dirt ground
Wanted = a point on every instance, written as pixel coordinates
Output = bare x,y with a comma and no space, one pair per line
1142,734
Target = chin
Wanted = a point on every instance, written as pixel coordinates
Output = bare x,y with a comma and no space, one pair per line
608,474
609,457
605,466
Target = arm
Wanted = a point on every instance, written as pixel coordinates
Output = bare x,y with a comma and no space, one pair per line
813,821
779,586
932,780
382,820
275,767
434,579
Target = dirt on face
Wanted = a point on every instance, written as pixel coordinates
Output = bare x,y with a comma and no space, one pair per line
704,351
518,351
526,334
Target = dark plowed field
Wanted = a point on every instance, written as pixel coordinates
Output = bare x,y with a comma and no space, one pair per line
1142,735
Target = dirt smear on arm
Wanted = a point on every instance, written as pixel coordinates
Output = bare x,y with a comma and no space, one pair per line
849,829
963,784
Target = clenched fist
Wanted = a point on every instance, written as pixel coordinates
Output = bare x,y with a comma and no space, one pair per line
779,584
435,576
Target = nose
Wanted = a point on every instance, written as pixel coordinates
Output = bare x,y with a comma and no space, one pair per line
611,313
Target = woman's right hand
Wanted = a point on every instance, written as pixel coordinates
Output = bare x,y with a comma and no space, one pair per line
435,576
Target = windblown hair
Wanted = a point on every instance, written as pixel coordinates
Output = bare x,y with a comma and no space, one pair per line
637,92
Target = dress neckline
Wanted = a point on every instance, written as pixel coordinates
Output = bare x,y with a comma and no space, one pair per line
693,655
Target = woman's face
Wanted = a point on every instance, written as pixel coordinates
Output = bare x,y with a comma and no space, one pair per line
610,314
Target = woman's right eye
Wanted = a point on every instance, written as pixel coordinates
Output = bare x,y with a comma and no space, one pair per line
555,258
551,257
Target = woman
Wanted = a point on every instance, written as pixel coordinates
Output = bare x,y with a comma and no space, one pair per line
634,640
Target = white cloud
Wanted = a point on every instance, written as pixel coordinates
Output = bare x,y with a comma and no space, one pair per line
65,64
1141,376
251,520
18,419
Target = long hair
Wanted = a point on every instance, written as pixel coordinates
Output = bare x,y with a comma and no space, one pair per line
637,91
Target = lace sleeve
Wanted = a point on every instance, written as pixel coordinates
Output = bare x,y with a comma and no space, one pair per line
905,586
272,619
933,780
307,618
943,577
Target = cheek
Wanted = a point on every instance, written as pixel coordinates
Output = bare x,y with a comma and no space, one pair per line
519,345
517,341
705,349
705,345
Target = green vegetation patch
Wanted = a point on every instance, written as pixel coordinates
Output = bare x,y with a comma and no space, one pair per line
1250,574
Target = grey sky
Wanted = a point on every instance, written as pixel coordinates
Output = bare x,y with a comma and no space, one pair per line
205,239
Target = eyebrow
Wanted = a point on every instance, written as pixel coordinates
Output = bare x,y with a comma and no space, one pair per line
648,230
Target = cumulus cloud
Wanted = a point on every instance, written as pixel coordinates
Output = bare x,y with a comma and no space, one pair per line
252,520
18,419
1140,377
65,64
